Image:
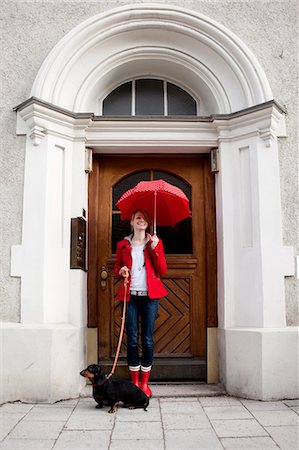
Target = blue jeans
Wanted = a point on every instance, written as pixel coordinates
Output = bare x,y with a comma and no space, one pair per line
146,309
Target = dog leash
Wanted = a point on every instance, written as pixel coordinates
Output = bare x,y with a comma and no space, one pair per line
121,328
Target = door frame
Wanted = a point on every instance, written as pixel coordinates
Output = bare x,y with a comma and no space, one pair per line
210,265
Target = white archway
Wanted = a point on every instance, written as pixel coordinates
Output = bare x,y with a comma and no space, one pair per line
174,43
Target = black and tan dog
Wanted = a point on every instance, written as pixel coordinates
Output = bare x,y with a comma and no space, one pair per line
108,391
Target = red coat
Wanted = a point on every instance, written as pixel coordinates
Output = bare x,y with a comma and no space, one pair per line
155,266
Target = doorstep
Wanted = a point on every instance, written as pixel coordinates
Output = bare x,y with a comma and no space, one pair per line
165,369
176,389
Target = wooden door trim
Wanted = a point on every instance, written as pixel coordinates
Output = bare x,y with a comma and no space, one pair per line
92,265
211,246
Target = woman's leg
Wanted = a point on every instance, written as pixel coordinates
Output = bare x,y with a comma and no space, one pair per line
149,310
132,325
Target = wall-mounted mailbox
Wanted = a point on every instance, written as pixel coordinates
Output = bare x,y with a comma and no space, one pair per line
78,243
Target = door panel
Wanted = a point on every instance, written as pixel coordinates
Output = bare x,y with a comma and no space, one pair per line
180,332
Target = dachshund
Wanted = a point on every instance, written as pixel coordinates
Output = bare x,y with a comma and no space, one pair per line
108,392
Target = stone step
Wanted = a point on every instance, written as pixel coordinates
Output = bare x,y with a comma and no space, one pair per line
176,389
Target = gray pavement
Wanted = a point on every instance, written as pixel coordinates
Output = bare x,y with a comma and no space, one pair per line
179,417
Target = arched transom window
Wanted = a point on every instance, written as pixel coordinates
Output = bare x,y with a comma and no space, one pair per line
149,97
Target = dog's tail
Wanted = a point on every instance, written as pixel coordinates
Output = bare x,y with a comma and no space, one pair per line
146,403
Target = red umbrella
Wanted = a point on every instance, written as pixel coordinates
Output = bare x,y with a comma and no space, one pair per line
166,204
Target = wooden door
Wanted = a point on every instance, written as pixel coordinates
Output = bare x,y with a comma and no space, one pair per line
190,305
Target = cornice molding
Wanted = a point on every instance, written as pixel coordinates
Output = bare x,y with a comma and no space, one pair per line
43,118
209,118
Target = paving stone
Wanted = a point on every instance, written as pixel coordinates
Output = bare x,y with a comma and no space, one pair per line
95,419
138,444
138,415
8,422
31,430
54,413
255,405
276,418
219,401
86,403
65,403
83,440
175,399
294,402
91,411
27,444
247,443
191,440
181,407
238,428
154,403
295,408
227,412
140,430
286,437
185,421
16,407
86,399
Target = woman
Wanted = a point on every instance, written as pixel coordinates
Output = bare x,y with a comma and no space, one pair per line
140,257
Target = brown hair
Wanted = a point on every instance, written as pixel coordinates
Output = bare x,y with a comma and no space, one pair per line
145,214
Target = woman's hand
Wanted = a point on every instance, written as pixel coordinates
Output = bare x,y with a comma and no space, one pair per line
155,241
124,271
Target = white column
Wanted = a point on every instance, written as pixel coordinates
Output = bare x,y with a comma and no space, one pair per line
252,261
251,253
53,297
28,259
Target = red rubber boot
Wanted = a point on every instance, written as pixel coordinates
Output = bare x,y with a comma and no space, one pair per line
144,383
135,377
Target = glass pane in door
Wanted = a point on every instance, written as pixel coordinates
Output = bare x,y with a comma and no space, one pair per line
177,239
121,228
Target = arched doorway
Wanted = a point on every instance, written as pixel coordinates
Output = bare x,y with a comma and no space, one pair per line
190,247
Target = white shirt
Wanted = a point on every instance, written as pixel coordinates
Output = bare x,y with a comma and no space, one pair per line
138,272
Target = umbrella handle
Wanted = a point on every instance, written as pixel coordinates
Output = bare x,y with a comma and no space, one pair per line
155,212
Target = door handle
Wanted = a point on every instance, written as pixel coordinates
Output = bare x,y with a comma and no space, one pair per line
104,276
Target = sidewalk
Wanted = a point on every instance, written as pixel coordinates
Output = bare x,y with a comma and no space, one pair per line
179,417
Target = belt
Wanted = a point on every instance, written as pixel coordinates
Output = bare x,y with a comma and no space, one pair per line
139,293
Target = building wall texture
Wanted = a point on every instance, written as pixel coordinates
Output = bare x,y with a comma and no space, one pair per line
30,29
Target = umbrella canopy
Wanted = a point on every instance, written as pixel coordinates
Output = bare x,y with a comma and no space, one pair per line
165,204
